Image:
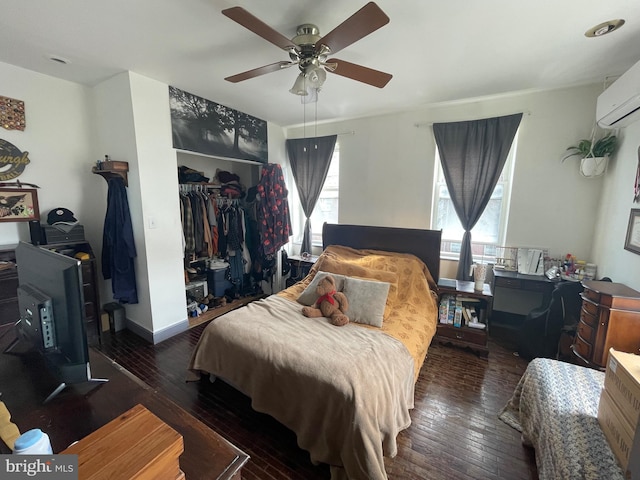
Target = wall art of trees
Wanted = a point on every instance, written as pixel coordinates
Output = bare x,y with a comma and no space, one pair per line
200,125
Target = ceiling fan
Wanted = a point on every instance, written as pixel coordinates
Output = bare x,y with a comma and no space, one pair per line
309,50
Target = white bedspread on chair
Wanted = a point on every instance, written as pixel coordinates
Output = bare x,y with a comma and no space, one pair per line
555,406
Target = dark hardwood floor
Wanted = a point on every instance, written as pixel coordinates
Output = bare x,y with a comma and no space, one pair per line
455,434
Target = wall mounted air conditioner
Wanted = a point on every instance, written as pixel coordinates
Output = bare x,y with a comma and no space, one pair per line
619,105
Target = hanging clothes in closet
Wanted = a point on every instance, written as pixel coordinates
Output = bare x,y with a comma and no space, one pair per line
197,212
274,222
218,226
231,217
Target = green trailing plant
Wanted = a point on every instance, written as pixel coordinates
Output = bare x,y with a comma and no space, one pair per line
603,147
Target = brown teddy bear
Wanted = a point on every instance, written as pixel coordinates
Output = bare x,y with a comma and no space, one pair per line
330,304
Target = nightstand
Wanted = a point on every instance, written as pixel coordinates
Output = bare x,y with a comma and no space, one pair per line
300,267
460,294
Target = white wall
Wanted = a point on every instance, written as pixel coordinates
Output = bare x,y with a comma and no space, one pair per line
58,118
386,174
615,204
159,225
387,167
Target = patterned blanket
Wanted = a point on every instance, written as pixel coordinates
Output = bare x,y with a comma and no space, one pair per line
411,314
555,406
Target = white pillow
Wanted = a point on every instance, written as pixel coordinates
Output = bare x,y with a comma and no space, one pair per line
309,296
367,300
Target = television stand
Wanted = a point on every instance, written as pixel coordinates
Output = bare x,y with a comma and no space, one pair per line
68,374
63,385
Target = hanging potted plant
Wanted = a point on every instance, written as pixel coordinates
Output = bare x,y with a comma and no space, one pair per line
594,155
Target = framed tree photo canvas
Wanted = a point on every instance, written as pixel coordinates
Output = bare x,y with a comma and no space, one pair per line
18,205
632,242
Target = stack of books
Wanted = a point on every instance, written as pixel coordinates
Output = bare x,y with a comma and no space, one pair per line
459,311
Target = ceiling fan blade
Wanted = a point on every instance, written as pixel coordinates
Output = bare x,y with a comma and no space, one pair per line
273,67
257,26
358,72
365,21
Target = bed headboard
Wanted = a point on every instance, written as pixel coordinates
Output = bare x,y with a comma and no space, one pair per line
424,244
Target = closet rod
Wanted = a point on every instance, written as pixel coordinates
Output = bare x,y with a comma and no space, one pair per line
352,132
203,183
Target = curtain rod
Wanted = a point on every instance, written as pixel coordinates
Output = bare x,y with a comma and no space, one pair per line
429,124
352,132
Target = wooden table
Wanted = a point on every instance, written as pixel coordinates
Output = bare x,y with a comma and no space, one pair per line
76,412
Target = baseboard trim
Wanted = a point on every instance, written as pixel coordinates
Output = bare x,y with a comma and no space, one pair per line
160,335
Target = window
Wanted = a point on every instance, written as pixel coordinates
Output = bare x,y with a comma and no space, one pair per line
326,209
490,230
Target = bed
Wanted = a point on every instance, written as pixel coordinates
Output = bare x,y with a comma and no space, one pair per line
555,406
345,391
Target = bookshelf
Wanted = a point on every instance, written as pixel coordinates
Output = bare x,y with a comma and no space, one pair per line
459,306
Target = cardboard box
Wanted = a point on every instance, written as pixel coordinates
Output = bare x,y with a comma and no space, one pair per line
624,440
622,382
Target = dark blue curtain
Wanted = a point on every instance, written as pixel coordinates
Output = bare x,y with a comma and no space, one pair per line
310,159
473,154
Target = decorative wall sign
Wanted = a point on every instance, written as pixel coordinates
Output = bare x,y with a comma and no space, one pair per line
12,113
203,126
19,205
632,242
12,161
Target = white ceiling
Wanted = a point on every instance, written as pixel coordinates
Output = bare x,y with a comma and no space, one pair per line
437,51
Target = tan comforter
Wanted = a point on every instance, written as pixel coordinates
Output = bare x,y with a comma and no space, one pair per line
345,391
412,309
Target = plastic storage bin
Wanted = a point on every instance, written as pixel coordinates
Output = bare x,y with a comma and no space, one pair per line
197,290
217,278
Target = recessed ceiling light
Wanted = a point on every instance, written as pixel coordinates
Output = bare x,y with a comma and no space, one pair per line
58,59
604,28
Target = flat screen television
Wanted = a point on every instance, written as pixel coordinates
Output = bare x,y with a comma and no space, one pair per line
52,315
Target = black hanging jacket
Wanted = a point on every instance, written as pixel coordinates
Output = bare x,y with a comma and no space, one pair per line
118,247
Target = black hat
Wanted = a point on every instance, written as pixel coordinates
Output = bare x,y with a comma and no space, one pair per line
61,215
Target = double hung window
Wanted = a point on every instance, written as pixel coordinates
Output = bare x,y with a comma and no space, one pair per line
490,230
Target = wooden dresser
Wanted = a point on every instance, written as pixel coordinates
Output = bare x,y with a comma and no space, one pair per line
9,311
610,317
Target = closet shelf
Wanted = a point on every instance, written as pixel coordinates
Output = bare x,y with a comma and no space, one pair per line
228,159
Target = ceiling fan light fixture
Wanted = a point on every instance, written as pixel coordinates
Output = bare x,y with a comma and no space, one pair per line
316,77
309,50
299,86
